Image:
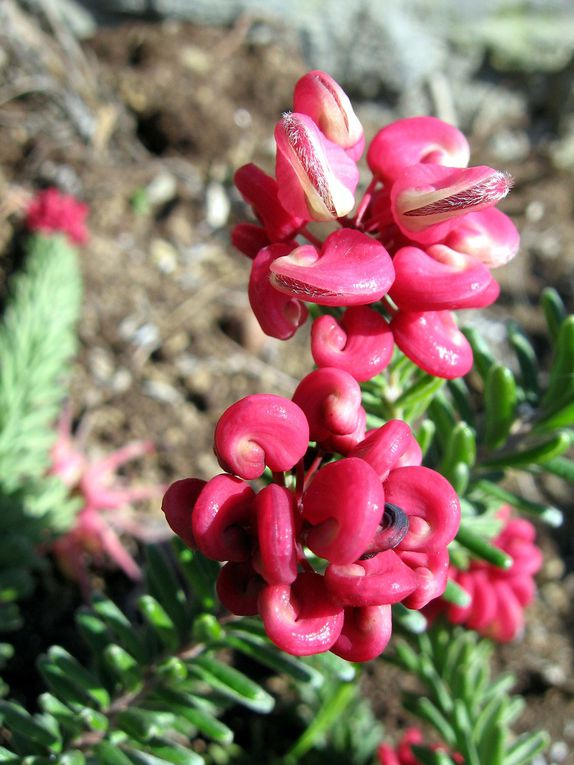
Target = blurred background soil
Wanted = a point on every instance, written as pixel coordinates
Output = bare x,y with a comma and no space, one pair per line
146,121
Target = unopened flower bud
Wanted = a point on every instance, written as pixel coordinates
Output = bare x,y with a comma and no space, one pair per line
321,98
261,430
351,269
376,581
383,448
238,586
413,141
178,504
317,180
426,199
365,633
433,342
275,511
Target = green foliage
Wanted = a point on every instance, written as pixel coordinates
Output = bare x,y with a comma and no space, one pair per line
158,687
37,341
471,713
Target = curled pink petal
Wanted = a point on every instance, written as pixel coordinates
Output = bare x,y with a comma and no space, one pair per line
249,238
321,98
178,504
427,199
222,518
361,342
508,623
316,178
416,140
431,571
482,609
261,430
332,402
351,269
365,634
431,504
433,342
376,581
342,444
262,193
488,235
384,447
238,586
300,618
275,509
344,505
440,279
278,314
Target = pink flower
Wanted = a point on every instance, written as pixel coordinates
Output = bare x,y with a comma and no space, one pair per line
105,507
53,212
380,522
498,596
403,753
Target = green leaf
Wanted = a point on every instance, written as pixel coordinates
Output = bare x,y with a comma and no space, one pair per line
482,549
327,716
79,676
425,709
562,467
120,627
420,393
158,619
444,418
185,705
16,718
168,751
164,586
425,434
561,382
454,593
144,724
72,758
259,650
500,405
409,619
546,450
232,683
527,361
554,310
110,754
124,667
525,748
547,513
462,397
201,574
483,358
431,756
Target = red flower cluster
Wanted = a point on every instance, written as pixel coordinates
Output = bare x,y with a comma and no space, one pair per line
499,596
404,755
374,522
53,212
420,245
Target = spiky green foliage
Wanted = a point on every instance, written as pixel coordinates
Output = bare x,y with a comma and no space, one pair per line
157,684
472,713
37,341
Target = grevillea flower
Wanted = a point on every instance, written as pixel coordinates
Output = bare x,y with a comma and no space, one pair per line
321,98
403,753
498,596
317,179
52,212
106,507
262,193
488,235
379,523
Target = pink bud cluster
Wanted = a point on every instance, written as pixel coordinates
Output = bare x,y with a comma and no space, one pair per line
403,753
348,526
52,212
105,508
498,597
422,242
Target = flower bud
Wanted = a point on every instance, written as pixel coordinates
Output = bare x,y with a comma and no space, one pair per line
222,517
275,509
426,199
361,342
178,503
432,506
321,98
365,634
344,505
332,402
317,180
488,235
375,581
260,430
279,315
238,586
416,140
261,192
440,279
300,618
433,342
351,269
431,572
383,448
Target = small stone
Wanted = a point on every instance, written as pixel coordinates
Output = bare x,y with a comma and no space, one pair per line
161,189
163,255
217,205
535,211
559,751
